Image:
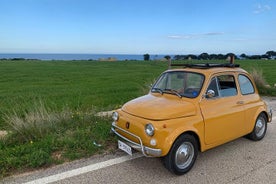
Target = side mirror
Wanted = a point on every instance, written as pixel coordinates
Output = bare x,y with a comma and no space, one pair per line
210,93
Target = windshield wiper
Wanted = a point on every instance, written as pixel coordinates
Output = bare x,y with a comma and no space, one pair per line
158,90
173,91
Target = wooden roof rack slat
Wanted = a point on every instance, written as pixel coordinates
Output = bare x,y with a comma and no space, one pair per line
206,65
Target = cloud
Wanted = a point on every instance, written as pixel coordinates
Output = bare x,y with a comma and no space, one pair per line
175,36
261,8
197,35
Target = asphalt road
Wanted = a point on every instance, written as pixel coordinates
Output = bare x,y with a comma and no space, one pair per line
240,161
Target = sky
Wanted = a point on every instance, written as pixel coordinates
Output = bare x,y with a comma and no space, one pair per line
138,26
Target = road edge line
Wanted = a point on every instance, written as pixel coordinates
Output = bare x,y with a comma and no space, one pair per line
83,170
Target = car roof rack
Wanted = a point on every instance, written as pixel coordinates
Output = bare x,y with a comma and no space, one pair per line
206,65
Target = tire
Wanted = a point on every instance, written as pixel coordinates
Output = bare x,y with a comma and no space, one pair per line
182,155
259,130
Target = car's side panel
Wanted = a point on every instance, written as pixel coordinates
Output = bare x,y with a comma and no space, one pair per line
253,107
223,118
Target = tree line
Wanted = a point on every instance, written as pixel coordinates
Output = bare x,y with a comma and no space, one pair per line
206,56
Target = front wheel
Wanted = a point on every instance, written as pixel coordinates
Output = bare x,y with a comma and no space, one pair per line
259,130
182,155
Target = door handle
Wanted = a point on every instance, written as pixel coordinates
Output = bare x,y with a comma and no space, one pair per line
240,102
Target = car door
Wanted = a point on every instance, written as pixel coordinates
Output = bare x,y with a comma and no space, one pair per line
223,113
251,100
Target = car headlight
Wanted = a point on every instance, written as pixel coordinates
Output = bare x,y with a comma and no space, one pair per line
149,129
115,116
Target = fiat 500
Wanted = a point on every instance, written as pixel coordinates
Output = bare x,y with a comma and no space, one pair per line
190,109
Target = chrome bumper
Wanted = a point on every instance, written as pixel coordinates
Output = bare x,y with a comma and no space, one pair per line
147,151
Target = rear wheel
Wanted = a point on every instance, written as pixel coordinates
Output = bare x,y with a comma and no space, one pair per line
259,130
182,155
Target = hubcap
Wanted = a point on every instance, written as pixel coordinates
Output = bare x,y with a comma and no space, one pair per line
184,155
260,127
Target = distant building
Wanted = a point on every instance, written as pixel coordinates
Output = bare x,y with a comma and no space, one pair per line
108,59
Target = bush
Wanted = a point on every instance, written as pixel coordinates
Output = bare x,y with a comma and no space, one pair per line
36,122
262,85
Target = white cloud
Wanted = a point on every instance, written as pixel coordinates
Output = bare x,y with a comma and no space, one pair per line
175,36
197,35
261,8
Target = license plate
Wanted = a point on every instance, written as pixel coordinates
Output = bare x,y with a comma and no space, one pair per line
126,148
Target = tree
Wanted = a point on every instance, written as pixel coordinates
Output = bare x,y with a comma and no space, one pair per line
146,57
191,56
167,57
231,55
243,56
178,57
265,56
255,57
271,54
221,56
213,56
203,56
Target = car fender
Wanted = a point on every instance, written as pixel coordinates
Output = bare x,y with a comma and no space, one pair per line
260,110
196,130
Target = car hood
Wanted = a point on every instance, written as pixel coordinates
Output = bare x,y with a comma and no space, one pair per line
159,107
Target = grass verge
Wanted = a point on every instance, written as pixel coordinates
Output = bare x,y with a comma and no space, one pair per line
42,137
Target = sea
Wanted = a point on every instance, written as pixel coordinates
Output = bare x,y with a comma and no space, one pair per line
49,57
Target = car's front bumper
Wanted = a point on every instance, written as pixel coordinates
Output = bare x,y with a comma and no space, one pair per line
147,151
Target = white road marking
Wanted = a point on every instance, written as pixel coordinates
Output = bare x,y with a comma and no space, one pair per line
83,170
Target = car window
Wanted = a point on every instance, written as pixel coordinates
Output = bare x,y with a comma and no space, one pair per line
223,86
182,83
213,86
246,85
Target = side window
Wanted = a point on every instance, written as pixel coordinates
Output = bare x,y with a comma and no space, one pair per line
246,85
223,86
227,85
213,86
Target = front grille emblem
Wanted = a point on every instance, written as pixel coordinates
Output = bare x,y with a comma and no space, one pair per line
127,125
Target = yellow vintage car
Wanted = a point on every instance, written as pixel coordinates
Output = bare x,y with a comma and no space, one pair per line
190,109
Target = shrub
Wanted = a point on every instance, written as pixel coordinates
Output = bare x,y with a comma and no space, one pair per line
258,77
36,122
262,85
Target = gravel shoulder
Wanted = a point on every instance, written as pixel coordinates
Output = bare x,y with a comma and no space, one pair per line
271,101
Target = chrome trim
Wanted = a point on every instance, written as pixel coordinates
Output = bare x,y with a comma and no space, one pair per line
184,155
147,151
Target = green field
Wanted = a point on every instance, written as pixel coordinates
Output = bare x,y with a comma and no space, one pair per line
65,95
78,85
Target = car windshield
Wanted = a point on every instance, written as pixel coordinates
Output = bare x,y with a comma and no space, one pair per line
180,83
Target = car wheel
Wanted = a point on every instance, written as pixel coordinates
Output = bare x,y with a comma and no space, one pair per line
259,130
182,155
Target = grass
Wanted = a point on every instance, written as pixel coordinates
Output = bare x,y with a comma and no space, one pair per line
37,122
49,108
76,85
